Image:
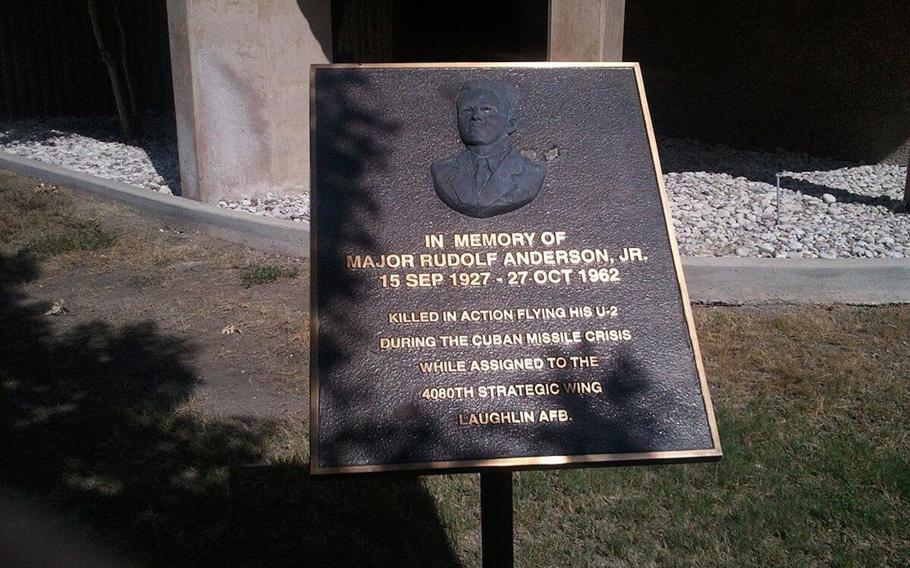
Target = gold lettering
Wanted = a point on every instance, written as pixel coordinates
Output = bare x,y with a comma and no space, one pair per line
496,418
476,240
364,261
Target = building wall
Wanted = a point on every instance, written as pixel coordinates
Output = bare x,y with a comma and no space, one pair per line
241,70
829,78
49,61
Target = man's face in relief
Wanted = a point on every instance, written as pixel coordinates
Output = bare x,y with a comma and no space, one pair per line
481,118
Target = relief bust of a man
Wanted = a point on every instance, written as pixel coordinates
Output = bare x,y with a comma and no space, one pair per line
488,177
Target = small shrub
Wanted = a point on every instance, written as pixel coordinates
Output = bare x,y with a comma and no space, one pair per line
84,236
263,274
10,226
31,200
39,198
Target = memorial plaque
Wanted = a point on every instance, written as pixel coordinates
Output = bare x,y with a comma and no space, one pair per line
495,276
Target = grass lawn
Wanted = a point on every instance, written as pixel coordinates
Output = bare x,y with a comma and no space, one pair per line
134,420
812,409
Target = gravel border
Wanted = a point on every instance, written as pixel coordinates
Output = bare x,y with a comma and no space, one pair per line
724,201
726,280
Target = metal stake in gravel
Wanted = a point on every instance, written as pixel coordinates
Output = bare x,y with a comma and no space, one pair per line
777,222
907,187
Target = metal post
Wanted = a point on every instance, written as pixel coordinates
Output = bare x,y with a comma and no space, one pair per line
496,518
907,188
778,200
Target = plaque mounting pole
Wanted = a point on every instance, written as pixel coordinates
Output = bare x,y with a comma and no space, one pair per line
496,518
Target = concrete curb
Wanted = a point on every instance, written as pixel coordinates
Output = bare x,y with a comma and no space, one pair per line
262,233
725,280
732,280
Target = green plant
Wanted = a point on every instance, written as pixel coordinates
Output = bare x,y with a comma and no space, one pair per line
83,236
264,274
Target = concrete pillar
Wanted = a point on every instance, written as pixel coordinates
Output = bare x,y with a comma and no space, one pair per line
586,30
241,90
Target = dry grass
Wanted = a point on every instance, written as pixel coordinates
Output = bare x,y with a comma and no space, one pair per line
48,220
812,414
808,356
812,411
28,209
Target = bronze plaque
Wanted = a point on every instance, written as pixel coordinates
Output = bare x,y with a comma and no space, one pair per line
495,277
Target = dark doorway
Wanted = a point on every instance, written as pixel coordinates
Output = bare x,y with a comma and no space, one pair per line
420,31
56,90
50,64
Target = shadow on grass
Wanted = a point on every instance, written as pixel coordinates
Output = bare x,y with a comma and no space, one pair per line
89,423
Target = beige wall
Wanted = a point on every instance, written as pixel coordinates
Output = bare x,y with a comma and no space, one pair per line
586,30
241,90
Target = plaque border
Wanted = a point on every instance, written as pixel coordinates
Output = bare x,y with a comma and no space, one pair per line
519,463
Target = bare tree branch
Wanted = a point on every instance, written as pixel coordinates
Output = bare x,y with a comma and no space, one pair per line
125,123
123,60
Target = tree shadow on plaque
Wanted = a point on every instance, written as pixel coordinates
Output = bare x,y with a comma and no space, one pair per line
355,143
345,151
394,512
91,425
635,413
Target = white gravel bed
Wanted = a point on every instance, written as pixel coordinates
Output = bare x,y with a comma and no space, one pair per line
293,207
724,201
92,145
